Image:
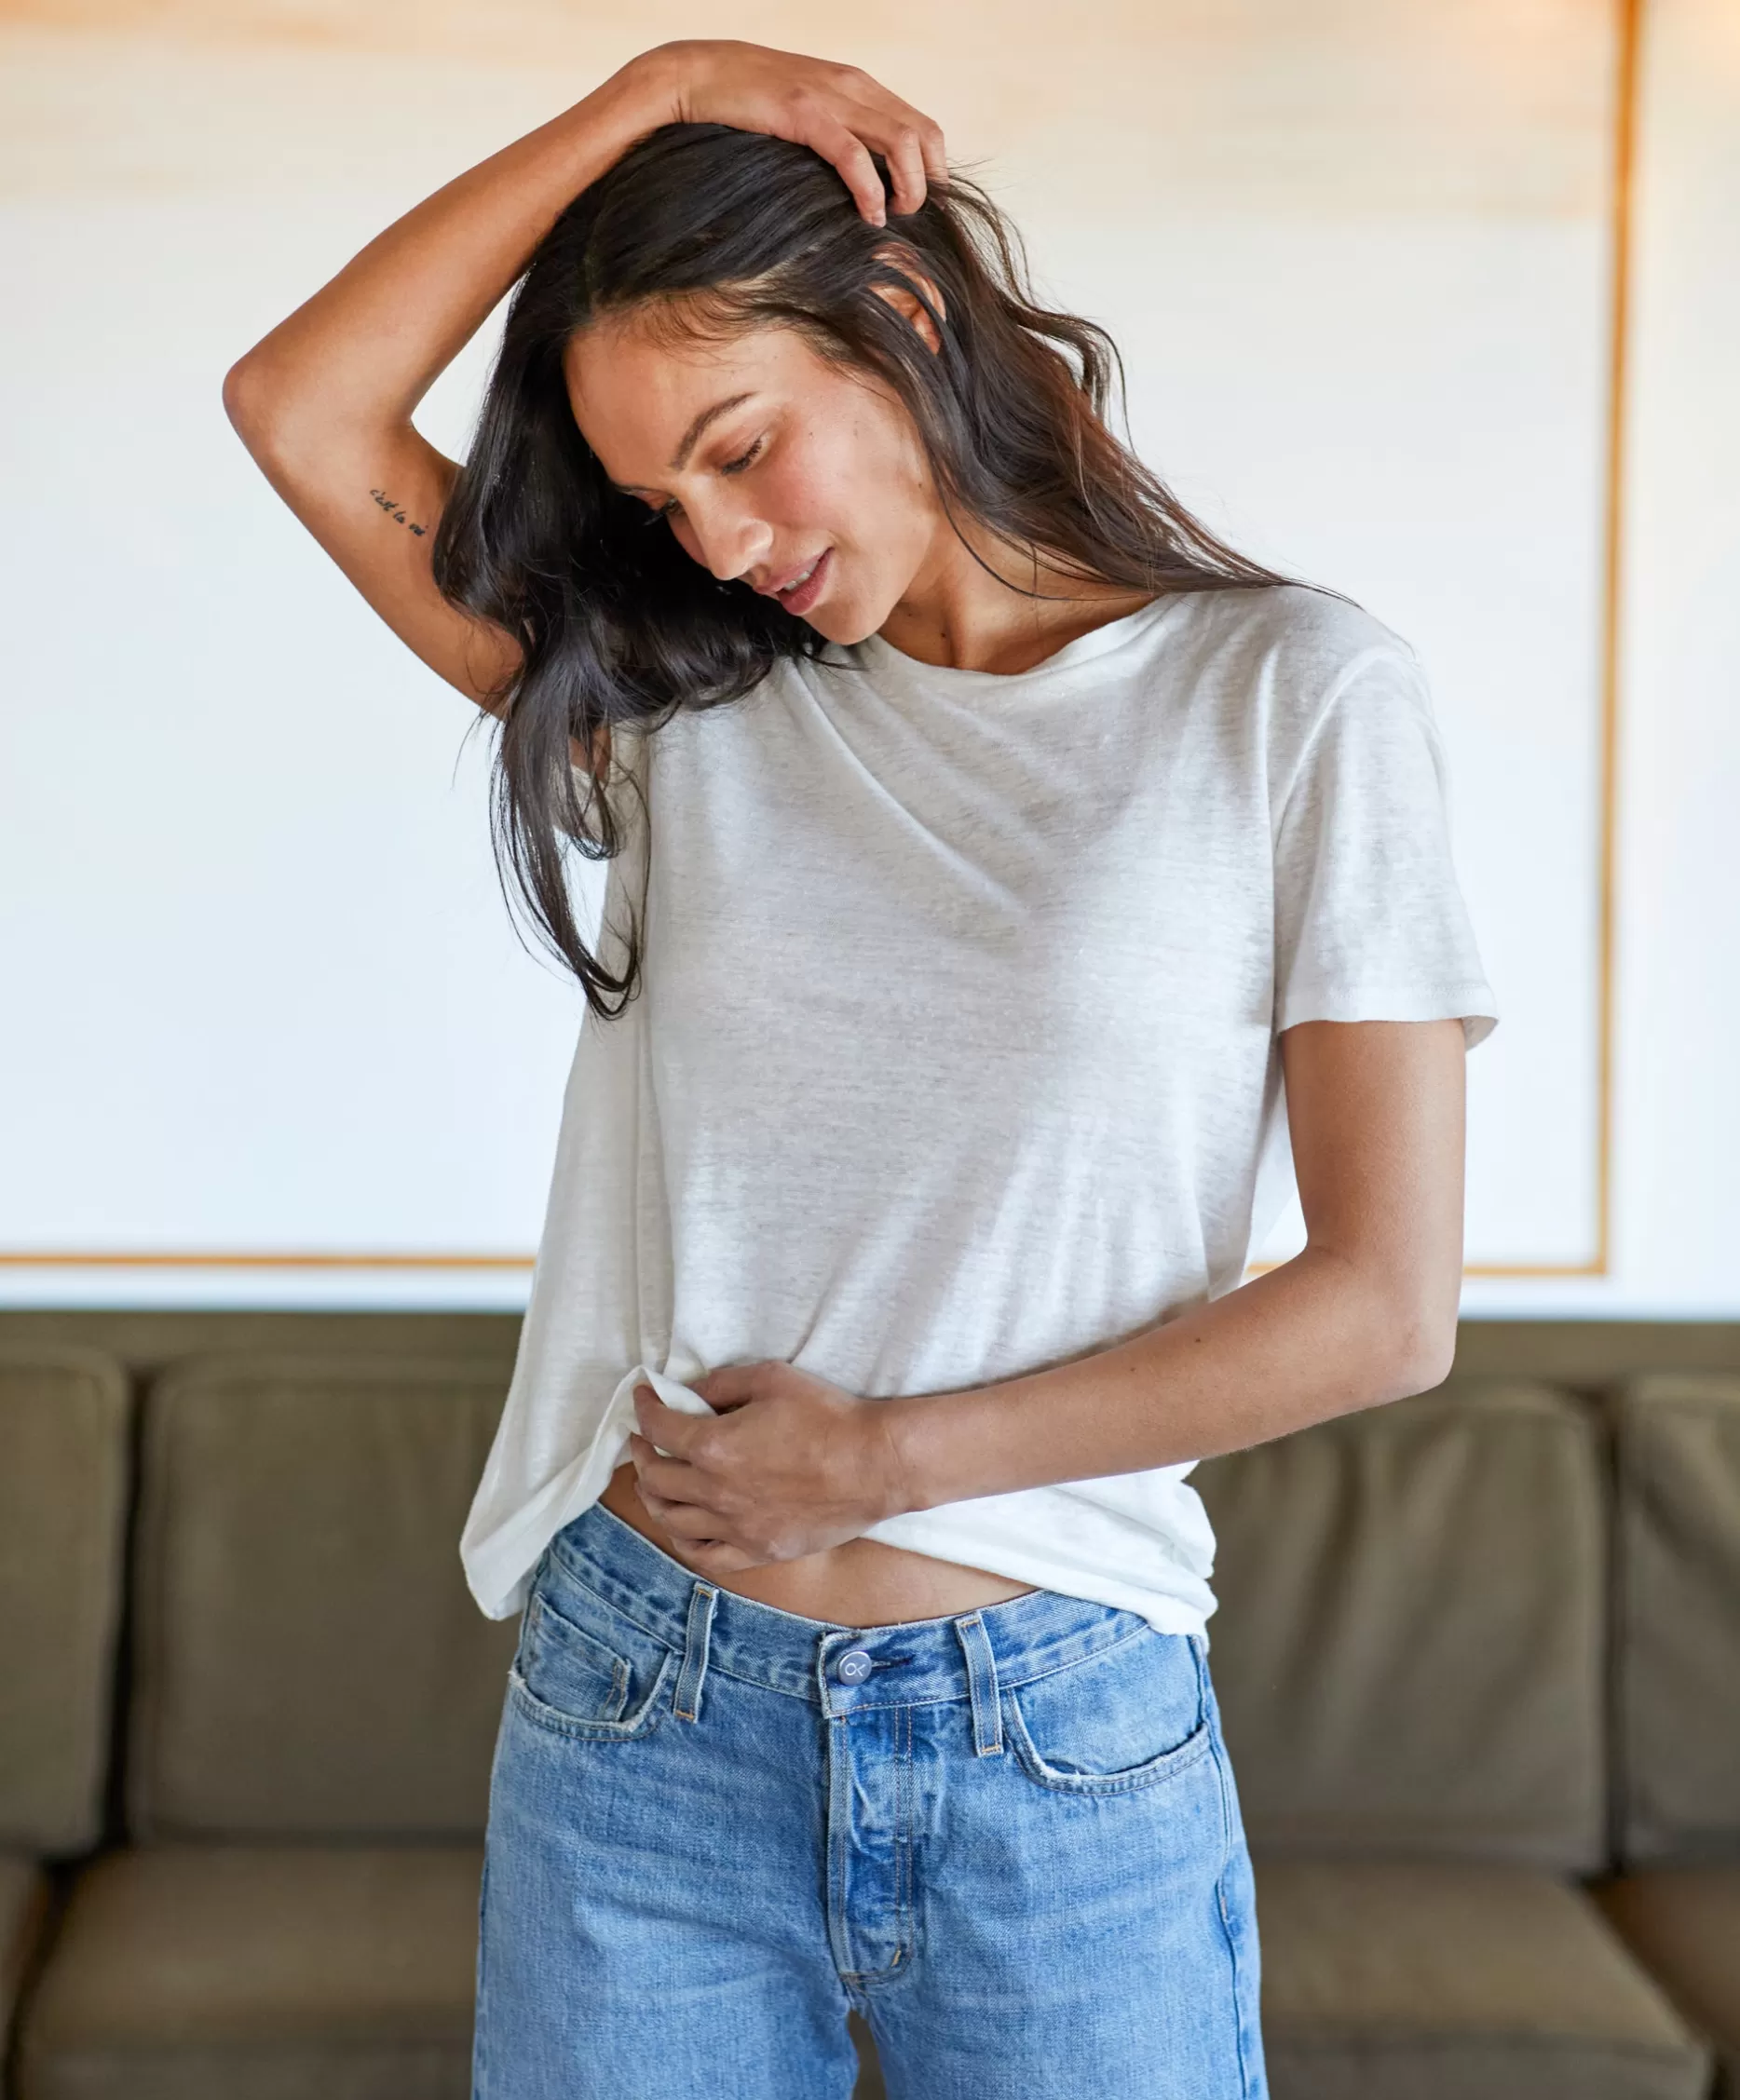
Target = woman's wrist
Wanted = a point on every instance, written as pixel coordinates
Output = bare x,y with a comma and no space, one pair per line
636,99
903,1449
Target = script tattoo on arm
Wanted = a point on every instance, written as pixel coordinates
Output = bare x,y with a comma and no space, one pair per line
392,508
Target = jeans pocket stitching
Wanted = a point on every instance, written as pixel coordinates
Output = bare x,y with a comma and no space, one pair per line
1074,1662
1164,1765
583,1639
633,1727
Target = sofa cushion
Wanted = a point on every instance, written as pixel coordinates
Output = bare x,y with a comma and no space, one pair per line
309,1661
1409,1649
23,1907
63,1483
1683,1924
1444,1981
229,1972
1678,1618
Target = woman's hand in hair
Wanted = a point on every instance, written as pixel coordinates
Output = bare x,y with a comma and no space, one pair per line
836,110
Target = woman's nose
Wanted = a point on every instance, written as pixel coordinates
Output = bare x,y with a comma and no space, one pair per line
729,546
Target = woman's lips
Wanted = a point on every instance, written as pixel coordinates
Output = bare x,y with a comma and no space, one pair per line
805,595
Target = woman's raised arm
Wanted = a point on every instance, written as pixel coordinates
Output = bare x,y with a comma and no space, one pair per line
324,402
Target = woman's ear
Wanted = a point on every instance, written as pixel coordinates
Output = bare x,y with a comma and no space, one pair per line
904,301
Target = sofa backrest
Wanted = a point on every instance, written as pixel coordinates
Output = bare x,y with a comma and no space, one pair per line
1409,1646
308,1660
63,1489
1677,1606
1408,1650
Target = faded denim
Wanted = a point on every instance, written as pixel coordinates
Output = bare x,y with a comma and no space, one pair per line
1014,1847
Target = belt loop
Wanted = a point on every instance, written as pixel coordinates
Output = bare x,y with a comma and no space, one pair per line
987,1716
702,1600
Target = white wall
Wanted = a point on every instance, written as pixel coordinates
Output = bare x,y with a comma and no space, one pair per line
1676,1195
265,998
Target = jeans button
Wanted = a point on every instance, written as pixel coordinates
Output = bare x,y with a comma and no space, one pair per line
853,1667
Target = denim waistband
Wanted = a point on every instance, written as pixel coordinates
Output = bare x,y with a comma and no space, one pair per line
840,1668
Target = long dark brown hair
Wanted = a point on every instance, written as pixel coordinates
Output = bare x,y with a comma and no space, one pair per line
709,228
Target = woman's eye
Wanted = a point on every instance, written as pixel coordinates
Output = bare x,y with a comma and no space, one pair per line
737,465
673,508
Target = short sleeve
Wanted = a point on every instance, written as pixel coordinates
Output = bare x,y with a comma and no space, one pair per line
1370,923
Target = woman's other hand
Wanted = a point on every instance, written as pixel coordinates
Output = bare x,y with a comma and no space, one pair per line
836,110
787,1465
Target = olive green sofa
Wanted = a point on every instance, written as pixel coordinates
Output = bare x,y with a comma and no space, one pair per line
1477,1653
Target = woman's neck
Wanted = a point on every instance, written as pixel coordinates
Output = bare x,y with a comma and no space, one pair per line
959,618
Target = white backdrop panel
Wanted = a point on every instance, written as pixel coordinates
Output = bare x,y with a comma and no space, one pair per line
265,991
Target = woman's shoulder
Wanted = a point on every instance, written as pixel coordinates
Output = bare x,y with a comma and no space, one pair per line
1307,627
1285,657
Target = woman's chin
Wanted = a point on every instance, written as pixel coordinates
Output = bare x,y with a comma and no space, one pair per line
834,625
847,624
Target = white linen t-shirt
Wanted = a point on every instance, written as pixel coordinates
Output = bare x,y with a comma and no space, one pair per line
956,1053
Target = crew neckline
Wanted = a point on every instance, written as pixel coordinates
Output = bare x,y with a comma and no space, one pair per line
1097,641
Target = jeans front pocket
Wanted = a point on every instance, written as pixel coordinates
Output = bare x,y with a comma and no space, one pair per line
1131,1715
582,1671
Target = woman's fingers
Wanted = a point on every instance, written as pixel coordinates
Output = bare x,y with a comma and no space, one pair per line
934,151
658,1473
838,111
909,142
905,165
682,1520
911,146
835,141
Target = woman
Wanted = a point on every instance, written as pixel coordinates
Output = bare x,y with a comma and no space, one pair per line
988,847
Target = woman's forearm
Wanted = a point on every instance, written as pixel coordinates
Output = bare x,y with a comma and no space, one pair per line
1315,1338
362,352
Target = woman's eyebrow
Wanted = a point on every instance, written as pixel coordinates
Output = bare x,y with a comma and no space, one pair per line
691,438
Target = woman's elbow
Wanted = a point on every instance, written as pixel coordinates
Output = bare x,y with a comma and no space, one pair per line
1418,1346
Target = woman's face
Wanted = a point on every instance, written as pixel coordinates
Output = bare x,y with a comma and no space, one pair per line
766,459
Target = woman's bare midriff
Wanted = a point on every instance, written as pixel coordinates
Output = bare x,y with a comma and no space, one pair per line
864,1582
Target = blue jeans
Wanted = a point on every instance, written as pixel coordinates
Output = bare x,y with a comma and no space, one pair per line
1010,1838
